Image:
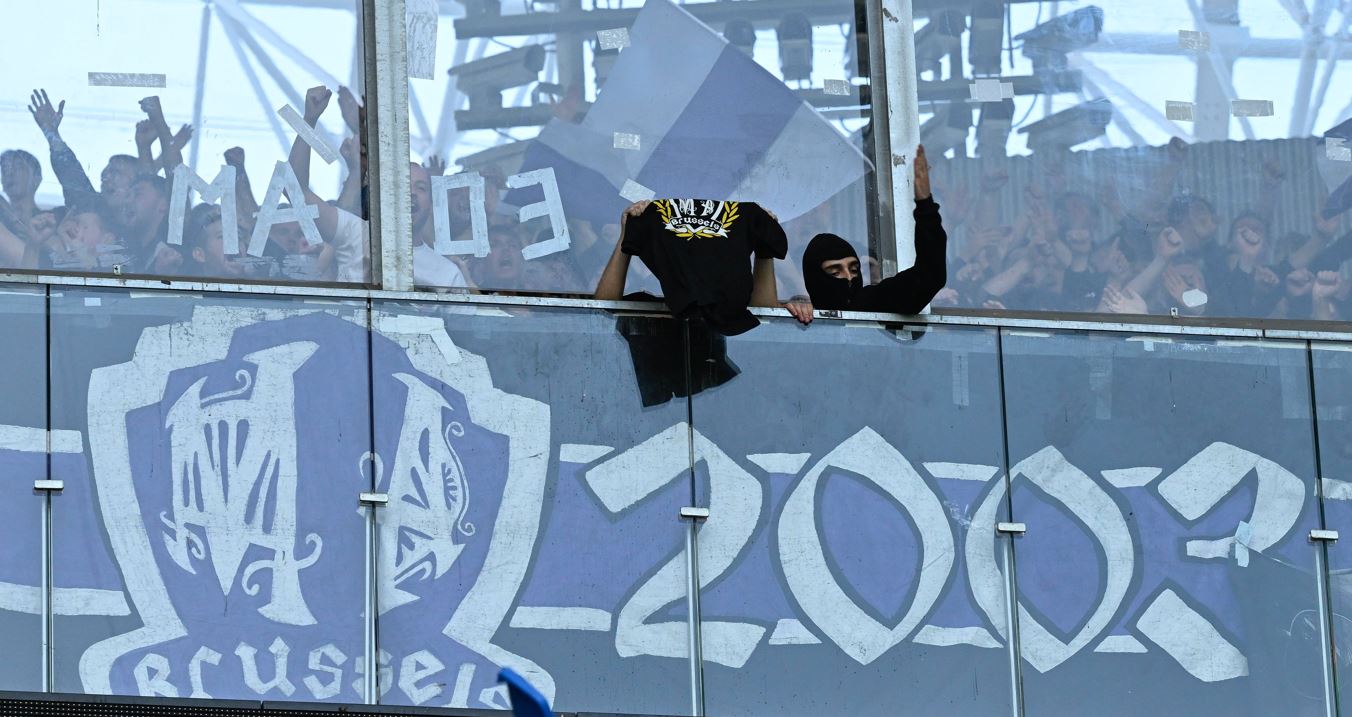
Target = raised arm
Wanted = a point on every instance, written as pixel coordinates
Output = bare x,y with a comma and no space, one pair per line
316,101
171,155
610,287
75,184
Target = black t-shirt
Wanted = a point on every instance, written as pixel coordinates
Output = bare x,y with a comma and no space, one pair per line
699,250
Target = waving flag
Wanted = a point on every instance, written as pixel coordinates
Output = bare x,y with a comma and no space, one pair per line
685,114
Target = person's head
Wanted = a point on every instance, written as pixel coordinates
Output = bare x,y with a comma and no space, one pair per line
20,174
115,182
831,272
204,243
1075,211
504,266
1194,218
421,198
146,207
287,238
83,230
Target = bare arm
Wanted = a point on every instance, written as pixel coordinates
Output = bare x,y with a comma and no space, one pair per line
316,101
170,154
611,285
763,290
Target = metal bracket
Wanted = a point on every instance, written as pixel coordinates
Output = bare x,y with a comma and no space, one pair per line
1324,535
1011,528
373,498
691,513
55,486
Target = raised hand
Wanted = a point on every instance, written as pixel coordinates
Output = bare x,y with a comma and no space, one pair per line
352,112
151,106
922,178
183,136
1326,285
436,165
48,117
1299,282
146,133
634,210
235,157
316,101
1168,244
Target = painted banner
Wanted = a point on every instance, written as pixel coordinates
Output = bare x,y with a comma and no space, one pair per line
209,541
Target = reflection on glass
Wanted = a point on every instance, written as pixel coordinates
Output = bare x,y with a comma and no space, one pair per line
185,135
210,538
532,129
23,421
1333,402
850,563
1166,568
533,511
1141,157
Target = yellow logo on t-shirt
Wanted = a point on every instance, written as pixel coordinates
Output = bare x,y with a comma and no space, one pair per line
687,218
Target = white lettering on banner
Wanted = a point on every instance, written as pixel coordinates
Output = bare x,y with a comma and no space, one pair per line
221,189
270,213
803,556
551,207
152,676
477,244
248,660
203,654
336,658
421,665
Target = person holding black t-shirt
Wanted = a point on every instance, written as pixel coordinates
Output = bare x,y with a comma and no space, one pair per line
831,269
700,251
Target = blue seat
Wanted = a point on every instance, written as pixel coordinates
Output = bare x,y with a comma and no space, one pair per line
526,700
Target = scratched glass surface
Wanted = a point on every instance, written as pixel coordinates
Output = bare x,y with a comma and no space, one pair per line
1168,487
196,150
209,537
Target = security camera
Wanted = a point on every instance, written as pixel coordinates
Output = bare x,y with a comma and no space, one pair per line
1068,128
483,80
941,38
1048,44
992,129
988,36
947,129
482,7
795,46
740,33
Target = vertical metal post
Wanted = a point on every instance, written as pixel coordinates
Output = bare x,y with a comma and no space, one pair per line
199,92
1325,638
46,487
1012,623
694,633
371,675
388,145
896,122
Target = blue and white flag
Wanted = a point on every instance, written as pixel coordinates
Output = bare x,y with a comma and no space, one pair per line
685,114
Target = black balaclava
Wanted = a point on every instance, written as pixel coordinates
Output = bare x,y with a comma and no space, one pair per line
826,291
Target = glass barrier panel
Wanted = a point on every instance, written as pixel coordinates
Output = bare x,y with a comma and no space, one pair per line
23,459
536,462
1333,404
533,127
850,564
211,536
176,139
1167,486
1133,157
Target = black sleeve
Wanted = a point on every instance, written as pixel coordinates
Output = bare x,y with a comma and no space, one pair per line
638,231
770,239
911,290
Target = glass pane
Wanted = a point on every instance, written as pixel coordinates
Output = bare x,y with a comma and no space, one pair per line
849,562
536,463
216,545
1167,486
1141,157
121,153
549,121
1333,394
23,459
